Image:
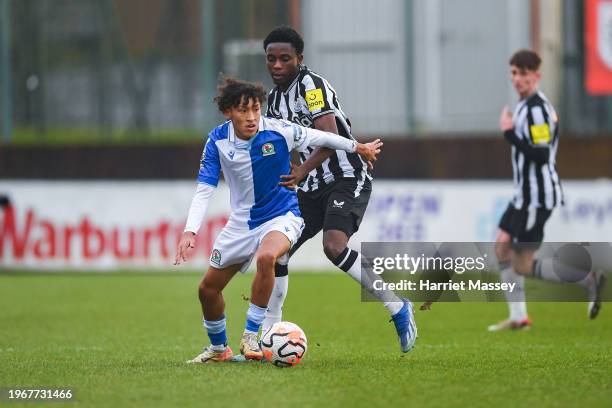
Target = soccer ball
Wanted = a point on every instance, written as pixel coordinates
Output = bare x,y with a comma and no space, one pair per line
284,344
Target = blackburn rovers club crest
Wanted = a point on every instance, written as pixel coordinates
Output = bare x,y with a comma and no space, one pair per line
215,256
267,149
604,35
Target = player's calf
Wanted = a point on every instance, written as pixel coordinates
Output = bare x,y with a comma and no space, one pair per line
263,282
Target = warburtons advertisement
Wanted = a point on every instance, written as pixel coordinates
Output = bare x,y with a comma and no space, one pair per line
136,225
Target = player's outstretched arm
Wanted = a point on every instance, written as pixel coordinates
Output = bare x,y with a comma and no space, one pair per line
316,138
298,173
325,123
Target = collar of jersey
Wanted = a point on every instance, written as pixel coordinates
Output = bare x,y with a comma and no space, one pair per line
537,92
232,135
295,80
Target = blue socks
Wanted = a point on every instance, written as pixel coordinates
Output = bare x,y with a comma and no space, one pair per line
216,328
216,332
255,316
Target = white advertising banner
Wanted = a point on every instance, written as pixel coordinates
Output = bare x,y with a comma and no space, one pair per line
105,225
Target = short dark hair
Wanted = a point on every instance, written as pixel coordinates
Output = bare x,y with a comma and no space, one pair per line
285,34
526,59
231,92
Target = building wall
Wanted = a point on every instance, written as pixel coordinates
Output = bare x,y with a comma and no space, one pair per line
421,65
551,49
360,49
461,53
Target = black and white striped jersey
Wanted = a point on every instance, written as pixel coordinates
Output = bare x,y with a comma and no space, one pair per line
308,97
535,139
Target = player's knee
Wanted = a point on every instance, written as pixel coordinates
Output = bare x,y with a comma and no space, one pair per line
266,260
503,244
333,249
202,295
502,252
522,269
206,292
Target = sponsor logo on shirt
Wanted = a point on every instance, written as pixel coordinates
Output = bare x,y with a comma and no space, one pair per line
338,204
540,134
314,99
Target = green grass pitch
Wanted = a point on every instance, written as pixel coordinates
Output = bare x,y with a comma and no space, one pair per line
121,340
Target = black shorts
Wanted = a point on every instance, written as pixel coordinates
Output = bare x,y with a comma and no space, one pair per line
333,207
526,227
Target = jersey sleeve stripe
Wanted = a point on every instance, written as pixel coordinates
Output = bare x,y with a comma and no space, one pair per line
210,166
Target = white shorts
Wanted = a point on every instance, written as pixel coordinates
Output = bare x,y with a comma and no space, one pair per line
238,246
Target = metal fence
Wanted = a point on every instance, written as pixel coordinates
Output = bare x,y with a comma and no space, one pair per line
146,70
105,70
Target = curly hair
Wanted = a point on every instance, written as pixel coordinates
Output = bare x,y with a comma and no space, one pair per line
526,59
285,34
232,92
